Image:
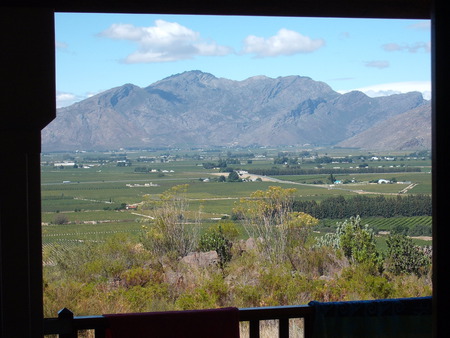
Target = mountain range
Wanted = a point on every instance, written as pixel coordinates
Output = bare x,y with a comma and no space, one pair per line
197,109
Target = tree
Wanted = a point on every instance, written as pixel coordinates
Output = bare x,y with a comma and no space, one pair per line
222,163
281,160
356,241
220,239
268,217
405,257
172,233
331,179
60,219
234,177
208,165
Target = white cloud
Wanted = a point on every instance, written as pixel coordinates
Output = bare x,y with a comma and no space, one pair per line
411,48
386,89
377,64
285,42
421,25
65,99
61,45
163,42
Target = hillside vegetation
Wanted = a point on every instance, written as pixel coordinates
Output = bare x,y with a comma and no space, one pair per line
174,235
171,265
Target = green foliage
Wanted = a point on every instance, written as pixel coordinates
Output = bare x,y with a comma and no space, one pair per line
360,282
274,171
358,245
209,165
268,217
356,241
92,274
339,207
405,257
140,276
233,177
410,226
137,283
264,215
219,238
171,234
298,227
212,293
99,261
60,219
331,178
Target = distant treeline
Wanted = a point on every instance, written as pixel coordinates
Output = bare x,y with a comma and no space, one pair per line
299,171
365,206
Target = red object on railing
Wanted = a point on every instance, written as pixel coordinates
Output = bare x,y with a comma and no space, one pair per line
67,326
217,323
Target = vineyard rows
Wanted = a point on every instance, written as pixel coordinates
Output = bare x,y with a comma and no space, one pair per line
388,224
88,233
54,244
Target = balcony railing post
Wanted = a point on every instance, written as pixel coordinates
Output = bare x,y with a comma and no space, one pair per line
100,332
254,328
283,328
308,322
66,316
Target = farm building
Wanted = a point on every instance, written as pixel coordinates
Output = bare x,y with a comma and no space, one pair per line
383,181
64,164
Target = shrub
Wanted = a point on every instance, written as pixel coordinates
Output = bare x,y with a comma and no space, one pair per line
220,238
355,240
196,299
265,215
171,234
405,257
136,276
60,219
358,282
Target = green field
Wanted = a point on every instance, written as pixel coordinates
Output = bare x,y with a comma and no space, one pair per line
386,224
90,195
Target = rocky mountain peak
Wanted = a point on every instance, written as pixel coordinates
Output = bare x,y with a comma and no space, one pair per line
198,109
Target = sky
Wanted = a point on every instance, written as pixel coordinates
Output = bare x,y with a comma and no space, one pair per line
97,52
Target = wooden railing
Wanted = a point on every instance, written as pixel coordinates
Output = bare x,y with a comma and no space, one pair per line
283,313
68,326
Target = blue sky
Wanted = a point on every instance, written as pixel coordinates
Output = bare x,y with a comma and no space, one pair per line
96,52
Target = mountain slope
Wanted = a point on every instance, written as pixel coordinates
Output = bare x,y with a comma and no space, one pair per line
197,109
409,130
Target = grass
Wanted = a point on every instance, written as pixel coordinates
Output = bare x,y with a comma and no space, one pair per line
422,179
385,224
89,215
104,186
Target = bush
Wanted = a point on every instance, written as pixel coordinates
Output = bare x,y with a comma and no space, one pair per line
267,215
171,234
358,282
420,230
405,257
233,177
136,276
219,240
60,219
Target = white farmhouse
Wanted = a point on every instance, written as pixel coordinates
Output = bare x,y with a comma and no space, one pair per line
383,181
